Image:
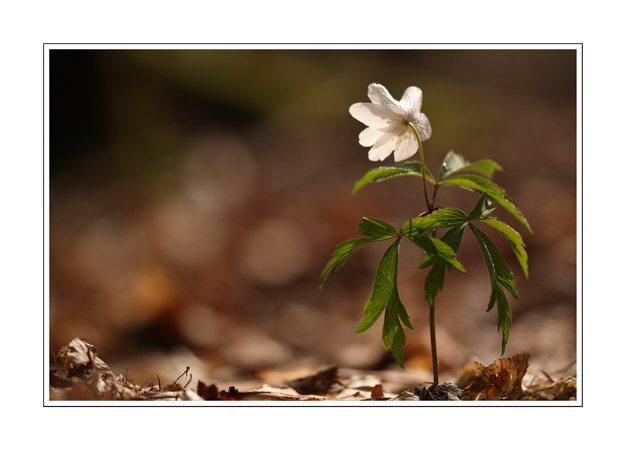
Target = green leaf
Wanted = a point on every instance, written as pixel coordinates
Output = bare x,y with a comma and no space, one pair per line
495,193
385,297
451,163
441,250
416,230
436,276
455,163
484,167
482,208
502,273
434,281
341,254
500,276
475,183
514,239
415,167
505,318
440,218
453,238
384,173
376,228
510,207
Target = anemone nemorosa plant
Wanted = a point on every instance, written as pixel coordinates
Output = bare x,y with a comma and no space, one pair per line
399,127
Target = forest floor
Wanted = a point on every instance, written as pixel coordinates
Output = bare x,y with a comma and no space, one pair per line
77,373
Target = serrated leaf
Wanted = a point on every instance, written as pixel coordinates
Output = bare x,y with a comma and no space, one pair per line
495,193
376,228
482,208
440,218
455,163
415,168
434,281
502,272
505,318
475,183
341,254
514,239
385,297
436,275
384,173
439,249
510,207
451,163
500,276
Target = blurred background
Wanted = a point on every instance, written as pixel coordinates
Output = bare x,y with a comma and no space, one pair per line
195,197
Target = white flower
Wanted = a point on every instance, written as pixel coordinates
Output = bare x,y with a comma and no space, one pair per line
387,118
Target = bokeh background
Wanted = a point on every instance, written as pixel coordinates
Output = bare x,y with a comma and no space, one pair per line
196,195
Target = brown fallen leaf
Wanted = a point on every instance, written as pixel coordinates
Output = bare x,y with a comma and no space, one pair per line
266,393
81,375
501,380
207,392
317,384
549,389
377,391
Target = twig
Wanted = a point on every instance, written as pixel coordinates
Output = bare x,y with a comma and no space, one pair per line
548,376
190,377
184,373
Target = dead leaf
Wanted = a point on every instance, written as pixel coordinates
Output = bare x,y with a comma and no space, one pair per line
81,375
501,380
406,396
207,392
549,389
317,384
266,393
465,376
377,391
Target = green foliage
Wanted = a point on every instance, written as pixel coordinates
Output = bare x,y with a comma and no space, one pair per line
440,250
454,163
385,297
482,208
384,173
440,218
474,183
376,228
500,276
341,254
514,239
417,229
437,274
510,207
440,253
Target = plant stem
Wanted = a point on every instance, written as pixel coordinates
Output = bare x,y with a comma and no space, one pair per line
432,203
430,206
421,152
433,344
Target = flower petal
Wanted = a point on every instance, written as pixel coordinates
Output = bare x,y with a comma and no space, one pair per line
369,136
380,95
423,127
387,118
406,145
411,102
383,147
